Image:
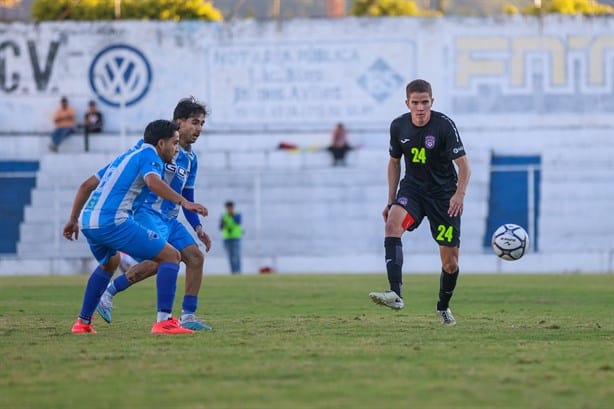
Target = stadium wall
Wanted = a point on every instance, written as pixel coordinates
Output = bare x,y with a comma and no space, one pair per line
526,86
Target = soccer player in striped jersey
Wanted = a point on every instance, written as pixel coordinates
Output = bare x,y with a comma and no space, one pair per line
431,188
108,222
160,215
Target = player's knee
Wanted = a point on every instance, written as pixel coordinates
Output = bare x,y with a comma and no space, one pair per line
111,265
450,266
169,255
193,256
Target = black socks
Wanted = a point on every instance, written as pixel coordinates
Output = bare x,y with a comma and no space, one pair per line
447,283
394,263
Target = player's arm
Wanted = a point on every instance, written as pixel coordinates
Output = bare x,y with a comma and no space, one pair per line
162,189
458,199
194,220
394,176
83,193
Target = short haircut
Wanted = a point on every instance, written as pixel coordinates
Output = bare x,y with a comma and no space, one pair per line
159,129
229,204
189,107
419,86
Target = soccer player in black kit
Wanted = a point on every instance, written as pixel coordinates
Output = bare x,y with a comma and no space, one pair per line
431,188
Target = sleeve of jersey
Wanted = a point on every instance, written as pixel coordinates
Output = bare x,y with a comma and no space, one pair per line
101,172
150,163
191,217
191,182
455,145
395,147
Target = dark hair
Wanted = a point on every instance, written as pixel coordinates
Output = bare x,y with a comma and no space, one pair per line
159,129
189,107
419,86
64,100
229,204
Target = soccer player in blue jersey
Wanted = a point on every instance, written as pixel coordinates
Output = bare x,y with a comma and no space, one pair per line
431,188
160,215
108,223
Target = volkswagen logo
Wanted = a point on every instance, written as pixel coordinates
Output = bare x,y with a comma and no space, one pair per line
120,74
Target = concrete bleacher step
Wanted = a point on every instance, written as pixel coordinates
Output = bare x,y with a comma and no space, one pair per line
293,203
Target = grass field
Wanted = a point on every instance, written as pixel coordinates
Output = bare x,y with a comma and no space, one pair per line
316,341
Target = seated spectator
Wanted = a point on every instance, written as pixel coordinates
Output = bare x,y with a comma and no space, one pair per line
64,120
92,121
340,145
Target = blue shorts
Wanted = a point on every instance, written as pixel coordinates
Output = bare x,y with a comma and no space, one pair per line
171,230
129,237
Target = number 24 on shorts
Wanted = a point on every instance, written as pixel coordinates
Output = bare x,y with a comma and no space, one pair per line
445,233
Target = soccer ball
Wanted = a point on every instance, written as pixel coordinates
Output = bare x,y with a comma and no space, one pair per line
510,241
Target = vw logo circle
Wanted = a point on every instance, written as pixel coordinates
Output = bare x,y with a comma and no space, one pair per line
120,74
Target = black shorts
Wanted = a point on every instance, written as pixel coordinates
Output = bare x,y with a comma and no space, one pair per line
444,229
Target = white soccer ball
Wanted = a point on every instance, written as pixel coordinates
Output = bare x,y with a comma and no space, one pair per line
510,242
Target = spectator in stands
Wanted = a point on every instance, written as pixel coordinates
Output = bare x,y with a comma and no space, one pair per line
93,119
232,232
64,119
92,122
340,145
431,188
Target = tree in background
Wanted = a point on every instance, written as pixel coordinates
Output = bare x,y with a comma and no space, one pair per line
45,10
586,7
378,8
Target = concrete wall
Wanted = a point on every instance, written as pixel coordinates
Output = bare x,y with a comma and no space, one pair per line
494,73
512,85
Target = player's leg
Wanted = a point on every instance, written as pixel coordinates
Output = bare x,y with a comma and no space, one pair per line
136,273
166,283
446,232
142,222
194,260
99,279
403,215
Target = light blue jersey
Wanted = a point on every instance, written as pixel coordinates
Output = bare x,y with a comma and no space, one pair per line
178,175
122,189
160,215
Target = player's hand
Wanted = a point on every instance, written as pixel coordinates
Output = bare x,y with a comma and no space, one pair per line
195,207
456,205
204,237
385,213
71,228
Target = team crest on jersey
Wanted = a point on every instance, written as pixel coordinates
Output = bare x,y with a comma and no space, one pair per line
152,235
402,201
429,142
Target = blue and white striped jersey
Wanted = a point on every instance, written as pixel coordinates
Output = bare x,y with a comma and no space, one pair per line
179,175
122,189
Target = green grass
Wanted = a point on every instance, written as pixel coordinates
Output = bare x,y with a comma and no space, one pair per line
316,341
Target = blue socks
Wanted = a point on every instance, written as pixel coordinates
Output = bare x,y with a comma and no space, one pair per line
119,284
96,285
190,303
166,282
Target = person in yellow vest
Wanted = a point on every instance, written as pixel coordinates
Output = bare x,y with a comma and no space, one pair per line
230,224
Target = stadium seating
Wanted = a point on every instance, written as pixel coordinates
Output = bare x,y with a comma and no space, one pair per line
302,214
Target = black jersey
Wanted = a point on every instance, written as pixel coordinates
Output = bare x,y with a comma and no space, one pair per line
429,151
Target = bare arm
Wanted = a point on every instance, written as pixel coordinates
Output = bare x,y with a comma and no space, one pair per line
394,176
464,173
159,187
72,226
